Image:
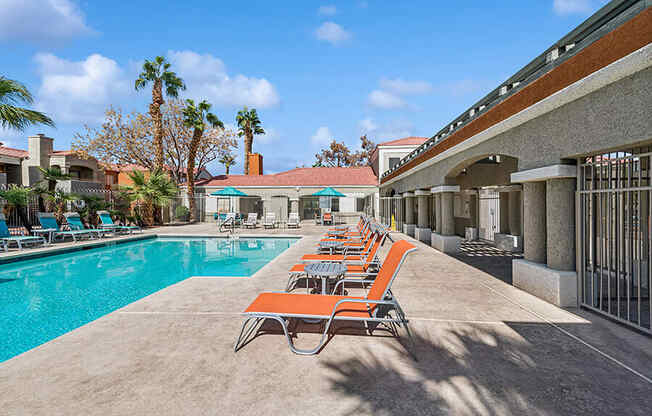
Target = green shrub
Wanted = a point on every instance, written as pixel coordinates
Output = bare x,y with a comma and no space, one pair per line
181,213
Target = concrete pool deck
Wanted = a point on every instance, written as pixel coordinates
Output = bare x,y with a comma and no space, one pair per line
483,347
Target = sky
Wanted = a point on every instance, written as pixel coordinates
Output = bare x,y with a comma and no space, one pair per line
315,71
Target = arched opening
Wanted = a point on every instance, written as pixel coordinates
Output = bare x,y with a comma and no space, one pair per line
81,173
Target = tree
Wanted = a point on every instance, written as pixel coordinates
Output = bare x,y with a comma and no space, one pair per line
13,94
17,198
228,160
53,174
336,155
157,72
248,125
339,155
199,118
157,190
127,139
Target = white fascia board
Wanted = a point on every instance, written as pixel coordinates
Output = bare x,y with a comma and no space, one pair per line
445,188
421,192
546,172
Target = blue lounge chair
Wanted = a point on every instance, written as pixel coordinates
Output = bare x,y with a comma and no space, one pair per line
75,223
106,222
49,222
6,238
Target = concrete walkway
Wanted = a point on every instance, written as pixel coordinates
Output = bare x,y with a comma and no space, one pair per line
483,348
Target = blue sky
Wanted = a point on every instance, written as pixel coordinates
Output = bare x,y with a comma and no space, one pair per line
314,70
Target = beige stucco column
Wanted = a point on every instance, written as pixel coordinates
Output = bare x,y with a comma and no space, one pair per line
534,224
560,223
438,213
548,267
503,200
422,231
447,219
515,213
409,207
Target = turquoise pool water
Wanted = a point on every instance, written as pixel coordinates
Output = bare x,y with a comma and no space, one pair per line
43,298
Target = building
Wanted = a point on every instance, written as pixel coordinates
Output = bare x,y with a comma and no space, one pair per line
21,167
118,175
388,154
555,161
291,191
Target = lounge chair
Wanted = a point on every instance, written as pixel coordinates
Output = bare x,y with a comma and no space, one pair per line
361,269
327,217
379,305
293,220
49,222
252,220
270,220
75,223
6,238
106,222
228,222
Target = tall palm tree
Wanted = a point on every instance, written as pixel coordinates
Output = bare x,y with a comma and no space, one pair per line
248,125
157,190
12,94
228,160
157,72
53,174
198,118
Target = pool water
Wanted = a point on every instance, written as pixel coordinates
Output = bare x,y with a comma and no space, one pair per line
45,297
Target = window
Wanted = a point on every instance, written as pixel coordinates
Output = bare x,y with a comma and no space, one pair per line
359,204
335,205
393,161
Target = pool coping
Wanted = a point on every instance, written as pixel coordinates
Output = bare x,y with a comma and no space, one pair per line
50,250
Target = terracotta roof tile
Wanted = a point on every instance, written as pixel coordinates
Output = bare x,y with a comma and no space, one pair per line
406,141
363,176
11,152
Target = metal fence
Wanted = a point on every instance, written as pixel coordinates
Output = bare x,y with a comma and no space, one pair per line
392,212
615,210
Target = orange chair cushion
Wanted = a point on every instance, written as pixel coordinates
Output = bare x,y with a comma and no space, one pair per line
306,305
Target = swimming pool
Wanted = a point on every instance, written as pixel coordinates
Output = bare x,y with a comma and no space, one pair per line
45,297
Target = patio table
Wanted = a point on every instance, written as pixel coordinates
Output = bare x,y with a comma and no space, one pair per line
331,245
324,271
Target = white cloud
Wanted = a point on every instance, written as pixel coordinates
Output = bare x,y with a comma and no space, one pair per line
41,20
367,125
332,32
402,87
271,134
206,77
565,7
322,136
78,91
385,100
329,10
394,129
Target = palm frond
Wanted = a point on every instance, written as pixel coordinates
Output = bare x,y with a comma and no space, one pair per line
20,118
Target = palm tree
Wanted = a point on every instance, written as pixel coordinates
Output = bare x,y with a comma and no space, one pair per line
52,175
248,125
198,118
228,160
11,116
157,190
17,198
157,72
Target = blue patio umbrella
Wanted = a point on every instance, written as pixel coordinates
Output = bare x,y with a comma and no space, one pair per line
329,192
230,192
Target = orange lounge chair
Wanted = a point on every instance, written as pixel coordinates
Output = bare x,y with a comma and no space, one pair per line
380,305
345,257
352,270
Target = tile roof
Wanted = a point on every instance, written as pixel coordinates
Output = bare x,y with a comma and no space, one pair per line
406,141
11,152
361,176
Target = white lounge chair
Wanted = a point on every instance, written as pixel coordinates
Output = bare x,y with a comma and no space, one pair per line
293,220
270,220
252,220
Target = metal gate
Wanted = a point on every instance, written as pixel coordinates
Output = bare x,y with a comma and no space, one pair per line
614,235
489,214
392,212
